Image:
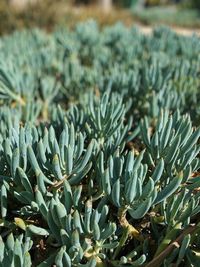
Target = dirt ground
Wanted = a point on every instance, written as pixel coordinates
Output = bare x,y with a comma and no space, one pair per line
182,31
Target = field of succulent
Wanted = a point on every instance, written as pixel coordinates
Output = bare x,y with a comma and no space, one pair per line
99,148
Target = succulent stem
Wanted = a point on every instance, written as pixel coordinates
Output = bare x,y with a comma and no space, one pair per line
132,231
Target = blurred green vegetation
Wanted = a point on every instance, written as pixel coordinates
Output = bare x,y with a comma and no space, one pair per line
196,4
184,3
168,15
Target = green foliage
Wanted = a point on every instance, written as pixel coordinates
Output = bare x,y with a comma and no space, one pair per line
195,4
186,15
99,148
15,252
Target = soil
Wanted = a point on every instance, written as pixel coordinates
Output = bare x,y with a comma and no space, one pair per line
182,31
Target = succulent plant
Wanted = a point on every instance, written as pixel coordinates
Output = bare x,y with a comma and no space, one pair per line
99,148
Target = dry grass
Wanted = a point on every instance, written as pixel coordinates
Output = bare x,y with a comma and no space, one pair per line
50,13
82,13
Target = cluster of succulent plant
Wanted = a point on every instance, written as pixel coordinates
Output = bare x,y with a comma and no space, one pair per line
99,148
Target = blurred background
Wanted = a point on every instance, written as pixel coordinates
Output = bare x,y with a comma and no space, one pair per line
48,14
